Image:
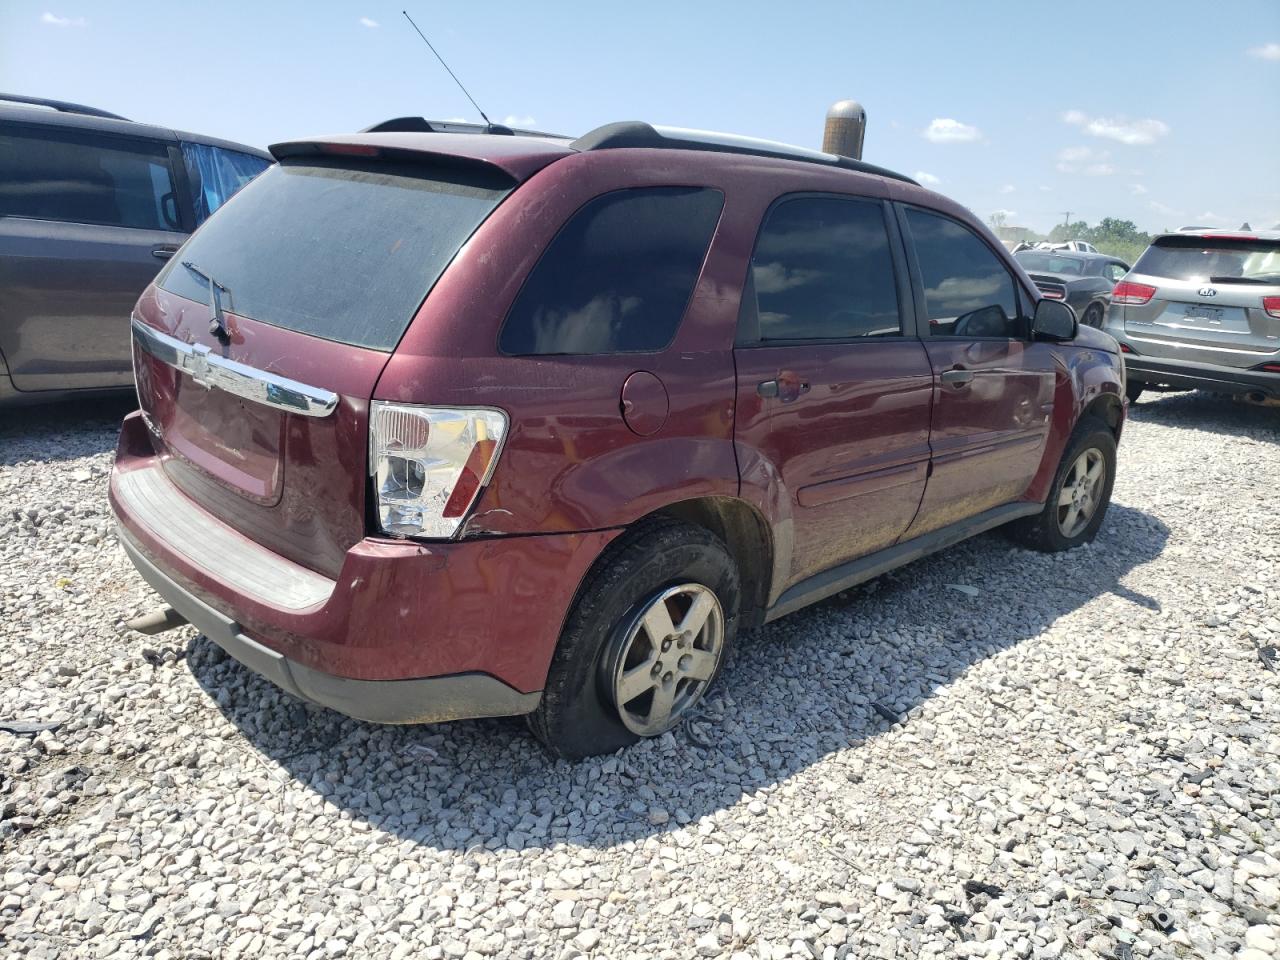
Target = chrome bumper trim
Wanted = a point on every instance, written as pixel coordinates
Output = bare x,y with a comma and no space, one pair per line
250,383
151,499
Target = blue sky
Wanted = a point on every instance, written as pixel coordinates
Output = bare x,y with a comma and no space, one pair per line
1164,112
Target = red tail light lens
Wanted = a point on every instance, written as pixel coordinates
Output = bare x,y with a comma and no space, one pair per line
1271,367
1125,348
1272,306
1128,292
1053,294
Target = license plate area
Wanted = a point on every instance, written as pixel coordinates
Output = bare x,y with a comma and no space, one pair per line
1212,315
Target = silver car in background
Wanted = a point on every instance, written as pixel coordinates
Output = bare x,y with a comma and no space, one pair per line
1201,310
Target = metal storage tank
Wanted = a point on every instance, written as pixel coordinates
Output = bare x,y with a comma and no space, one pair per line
846,124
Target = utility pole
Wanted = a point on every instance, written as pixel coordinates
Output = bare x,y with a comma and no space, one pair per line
1066,219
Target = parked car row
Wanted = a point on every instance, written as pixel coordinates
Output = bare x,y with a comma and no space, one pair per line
442,421
91,206
547,422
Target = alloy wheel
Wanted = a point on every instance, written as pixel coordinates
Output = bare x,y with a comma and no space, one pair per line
1081,492
660,664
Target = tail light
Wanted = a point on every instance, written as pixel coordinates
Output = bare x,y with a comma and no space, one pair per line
1127,291
1125,348
1050,294
1272,306
429,464
1270,367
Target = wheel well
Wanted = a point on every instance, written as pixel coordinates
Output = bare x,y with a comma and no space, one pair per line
745,533
1107,409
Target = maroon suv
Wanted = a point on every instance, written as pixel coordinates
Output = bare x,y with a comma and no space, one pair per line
442,425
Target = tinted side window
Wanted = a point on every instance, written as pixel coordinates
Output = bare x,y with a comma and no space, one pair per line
86,179
967,291
822,270
216,174
618,275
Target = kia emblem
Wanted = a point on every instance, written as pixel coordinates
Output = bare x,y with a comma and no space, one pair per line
1207,292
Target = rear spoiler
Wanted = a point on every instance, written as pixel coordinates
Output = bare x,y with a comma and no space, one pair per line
518,158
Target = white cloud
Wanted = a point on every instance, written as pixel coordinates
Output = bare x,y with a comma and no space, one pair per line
1163,209
1208,216
1138,189
514,121
1007,214
1008,188
946,130
368,22
1086,160
928,179
56,21
1045,189
1132,132
1268,51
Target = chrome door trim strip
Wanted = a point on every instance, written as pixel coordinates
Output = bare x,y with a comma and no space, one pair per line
242,380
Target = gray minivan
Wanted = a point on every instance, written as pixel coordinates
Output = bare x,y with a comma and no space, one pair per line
91,206
1201,310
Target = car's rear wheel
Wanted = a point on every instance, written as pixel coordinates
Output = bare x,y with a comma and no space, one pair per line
644,642
1080,494
1093,316
1133,390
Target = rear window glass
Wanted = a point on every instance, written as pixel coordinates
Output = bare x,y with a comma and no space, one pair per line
618,275
1050,263
342,253
1212,260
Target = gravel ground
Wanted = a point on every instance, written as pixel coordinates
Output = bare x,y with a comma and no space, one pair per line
1085,763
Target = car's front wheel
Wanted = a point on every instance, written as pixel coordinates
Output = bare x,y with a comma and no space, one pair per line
1080,493
1133,390
645,640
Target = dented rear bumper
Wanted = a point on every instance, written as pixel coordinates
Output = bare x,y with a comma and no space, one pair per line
407,632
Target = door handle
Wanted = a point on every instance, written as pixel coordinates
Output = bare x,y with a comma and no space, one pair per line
786,387
163,253
957,377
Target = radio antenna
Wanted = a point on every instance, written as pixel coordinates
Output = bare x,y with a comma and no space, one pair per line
446,66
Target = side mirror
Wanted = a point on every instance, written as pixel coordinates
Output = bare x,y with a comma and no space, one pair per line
1054,320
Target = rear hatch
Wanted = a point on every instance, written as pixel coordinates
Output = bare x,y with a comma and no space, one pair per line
1206,299
320,264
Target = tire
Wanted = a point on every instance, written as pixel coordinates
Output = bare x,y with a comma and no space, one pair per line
1046,530
607,630
1133,390
1093,316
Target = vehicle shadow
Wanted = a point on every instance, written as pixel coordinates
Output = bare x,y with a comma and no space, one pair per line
64,430
1213,413
791,693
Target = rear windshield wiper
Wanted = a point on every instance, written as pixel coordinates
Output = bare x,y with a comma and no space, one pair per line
1265,283
218,322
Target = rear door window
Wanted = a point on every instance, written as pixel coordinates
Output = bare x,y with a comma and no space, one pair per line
822,270
216,174
1212,260
342,252
83,178
967,290
617,277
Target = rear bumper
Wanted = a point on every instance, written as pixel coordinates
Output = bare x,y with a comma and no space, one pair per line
424,700
408,632
1193,375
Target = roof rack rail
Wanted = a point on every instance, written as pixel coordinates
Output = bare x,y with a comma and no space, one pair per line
635,133
62,106
423,125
